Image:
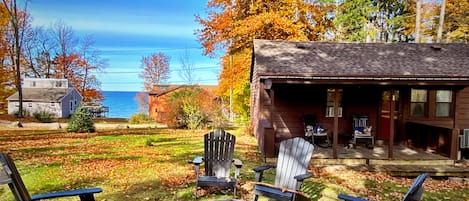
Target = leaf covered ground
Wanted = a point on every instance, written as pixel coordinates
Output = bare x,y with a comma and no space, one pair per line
152,164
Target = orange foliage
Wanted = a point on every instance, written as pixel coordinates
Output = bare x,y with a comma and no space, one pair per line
232,26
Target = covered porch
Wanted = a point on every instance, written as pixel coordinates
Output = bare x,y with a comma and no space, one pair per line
406,162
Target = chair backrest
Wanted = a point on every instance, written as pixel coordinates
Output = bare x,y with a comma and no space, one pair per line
293,159
416,190
9,175
219,149
360,122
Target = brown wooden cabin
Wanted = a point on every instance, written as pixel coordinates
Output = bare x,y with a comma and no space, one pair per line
426,85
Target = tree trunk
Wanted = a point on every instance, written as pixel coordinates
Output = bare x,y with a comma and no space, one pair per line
442,20
417,21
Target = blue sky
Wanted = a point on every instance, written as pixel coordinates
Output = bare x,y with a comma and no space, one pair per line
124,31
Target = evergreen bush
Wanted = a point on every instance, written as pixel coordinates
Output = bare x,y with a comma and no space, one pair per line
43,116
81,121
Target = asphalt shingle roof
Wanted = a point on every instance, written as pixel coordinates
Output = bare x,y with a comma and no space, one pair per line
288,58
42,94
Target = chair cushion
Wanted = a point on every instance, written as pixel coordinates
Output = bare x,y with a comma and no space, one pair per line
360,129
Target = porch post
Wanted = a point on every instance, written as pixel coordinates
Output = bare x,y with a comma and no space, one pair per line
391,124
335,135
454,139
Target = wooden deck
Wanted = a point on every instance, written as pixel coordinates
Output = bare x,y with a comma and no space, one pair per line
406,161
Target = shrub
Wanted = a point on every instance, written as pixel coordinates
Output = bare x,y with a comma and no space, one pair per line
43,116
194,108
81,121
140,118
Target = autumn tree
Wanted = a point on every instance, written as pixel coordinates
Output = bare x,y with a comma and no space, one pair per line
155,70
231,26
6,71
18,24
90,62
187,68
455,27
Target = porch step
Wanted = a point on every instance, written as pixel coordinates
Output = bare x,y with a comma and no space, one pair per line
376,162
415,170
436,168
401,162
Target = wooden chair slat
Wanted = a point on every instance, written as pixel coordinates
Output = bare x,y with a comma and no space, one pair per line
293,160
218,152
10,175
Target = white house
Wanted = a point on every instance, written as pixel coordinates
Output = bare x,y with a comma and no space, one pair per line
55,96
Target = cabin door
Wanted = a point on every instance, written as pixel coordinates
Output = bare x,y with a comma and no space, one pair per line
385,114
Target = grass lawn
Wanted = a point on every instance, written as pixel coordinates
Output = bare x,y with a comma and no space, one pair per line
152,164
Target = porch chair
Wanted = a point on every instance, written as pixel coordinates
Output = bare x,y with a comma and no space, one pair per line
292,162
361,130
218,158
413,194
10,175
313,129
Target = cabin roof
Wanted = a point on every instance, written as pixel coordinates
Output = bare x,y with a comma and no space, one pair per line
324,60
41,94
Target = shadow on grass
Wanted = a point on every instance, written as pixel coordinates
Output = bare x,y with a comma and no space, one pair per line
313,189
149,190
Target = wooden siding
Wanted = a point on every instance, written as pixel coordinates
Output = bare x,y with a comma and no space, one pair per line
462,109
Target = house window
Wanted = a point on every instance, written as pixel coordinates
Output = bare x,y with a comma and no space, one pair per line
33,83
444,98
418,102
30,104
71,106
58,84
52,104
330,103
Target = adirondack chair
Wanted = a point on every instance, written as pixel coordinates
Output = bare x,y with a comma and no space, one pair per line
313,129
413,194
9,175
218,158
293,160
361,130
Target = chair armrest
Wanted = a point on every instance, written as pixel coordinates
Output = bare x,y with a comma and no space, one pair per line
262,168
260,171
238,164
349,198
198,160
87,194
302,177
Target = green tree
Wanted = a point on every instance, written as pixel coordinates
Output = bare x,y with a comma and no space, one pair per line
81,121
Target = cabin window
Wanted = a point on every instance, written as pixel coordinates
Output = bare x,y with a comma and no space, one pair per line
418,102
330,103
444,98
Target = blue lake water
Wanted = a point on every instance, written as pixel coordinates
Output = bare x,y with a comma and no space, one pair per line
122,104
